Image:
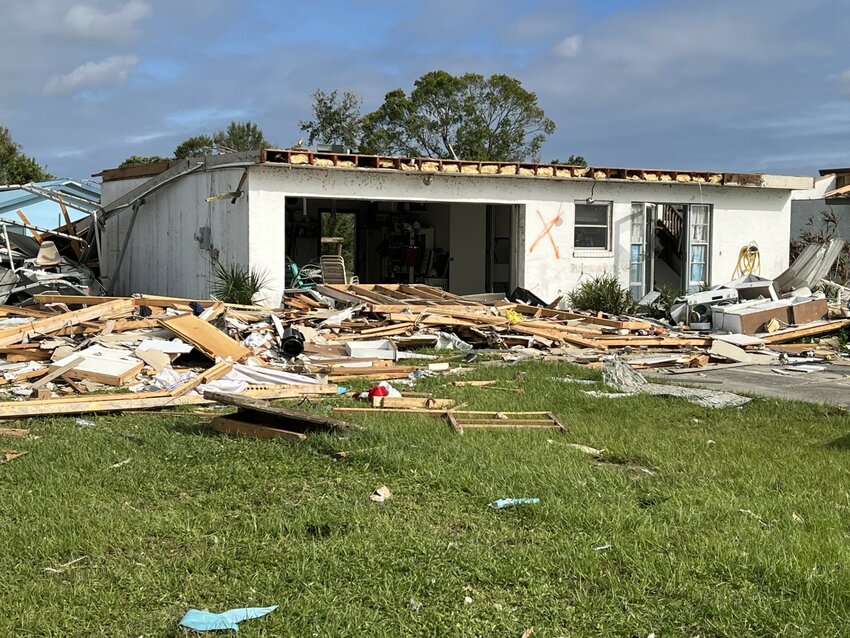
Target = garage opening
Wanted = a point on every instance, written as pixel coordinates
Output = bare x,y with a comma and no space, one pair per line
460,247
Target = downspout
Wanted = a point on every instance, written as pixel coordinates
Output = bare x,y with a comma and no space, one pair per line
114,276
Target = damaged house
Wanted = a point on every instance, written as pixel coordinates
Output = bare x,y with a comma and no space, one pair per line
467,227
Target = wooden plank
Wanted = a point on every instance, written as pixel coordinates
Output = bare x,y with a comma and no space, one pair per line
429,403
58,372
208,339
804,331
36,235
269,410
124,402
69,228
15,311
231,424
435,319
630,324
49,325
215,372
14,432
30,354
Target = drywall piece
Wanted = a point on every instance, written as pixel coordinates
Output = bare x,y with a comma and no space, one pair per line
383,349
734,353
738,339
156,359
103,365
174,346
208,339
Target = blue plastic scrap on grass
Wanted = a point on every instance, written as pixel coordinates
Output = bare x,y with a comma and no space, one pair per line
202,620
502,503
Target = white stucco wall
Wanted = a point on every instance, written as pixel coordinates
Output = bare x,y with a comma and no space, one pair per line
164,257
741,215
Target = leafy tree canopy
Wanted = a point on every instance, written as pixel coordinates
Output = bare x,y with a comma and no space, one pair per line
15,166
241,136
572,160
141,160
336,119
466,117
196,146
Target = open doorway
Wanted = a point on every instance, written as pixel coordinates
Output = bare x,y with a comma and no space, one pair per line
670,247
464,248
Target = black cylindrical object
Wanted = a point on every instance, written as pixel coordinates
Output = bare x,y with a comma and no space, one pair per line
291,343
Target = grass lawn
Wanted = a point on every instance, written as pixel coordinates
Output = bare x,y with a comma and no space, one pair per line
746,536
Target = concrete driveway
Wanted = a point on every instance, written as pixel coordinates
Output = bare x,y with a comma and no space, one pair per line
831,386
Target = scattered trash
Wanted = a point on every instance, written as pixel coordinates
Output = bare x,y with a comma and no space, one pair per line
621,376
414,605
120,463
61,568
710,443
381,495
527,633
601,548
502,503
14,432
467,600
203,620
84,423
11,455
586,449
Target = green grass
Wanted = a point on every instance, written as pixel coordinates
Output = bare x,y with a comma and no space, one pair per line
202,520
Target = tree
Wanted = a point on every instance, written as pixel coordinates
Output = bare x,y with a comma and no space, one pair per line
141,160
465,117
241,136
15,166
197,146
336,119
572,160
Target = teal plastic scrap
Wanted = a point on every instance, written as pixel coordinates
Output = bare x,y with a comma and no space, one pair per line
502,503
203,620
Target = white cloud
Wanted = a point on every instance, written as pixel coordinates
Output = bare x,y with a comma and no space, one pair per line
569,47
90,22
91,74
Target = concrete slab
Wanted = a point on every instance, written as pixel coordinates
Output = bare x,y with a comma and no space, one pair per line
830,387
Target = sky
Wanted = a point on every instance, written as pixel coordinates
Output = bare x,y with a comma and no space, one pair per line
729,85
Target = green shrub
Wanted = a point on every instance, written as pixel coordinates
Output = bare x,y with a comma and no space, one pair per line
602,294
236,283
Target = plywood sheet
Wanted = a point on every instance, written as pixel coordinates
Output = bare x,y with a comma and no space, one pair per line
208,339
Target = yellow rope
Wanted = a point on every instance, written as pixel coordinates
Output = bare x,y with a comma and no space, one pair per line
749,261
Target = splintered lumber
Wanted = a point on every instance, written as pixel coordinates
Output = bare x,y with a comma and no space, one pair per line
474,384
205,337
459,420
240,424
791,334
50,325
428,403
127,402
10,455
215,372
268,412
15,311
14,432
58,372
607,322
555,333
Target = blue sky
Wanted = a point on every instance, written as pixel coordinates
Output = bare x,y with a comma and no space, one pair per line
728,85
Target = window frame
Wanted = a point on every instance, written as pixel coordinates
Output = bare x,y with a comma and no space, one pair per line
608,226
